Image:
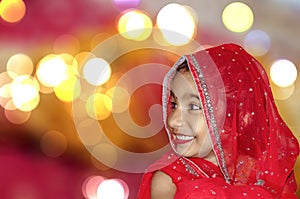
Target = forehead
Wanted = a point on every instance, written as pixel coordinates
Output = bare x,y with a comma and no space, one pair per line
183,83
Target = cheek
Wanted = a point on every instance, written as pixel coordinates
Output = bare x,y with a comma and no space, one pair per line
200,129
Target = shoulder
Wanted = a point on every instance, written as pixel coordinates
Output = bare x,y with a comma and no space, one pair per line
162,186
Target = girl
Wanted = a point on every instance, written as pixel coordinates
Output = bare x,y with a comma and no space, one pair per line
228,139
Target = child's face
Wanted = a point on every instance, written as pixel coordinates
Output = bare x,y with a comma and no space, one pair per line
186,118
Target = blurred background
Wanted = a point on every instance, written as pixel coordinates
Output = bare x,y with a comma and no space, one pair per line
80,84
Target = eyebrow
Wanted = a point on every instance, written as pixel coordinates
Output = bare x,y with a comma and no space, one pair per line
187,96
194,96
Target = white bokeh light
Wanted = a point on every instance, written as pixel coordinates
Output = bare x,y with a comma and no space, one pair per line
97,71
283,73
25,93
176,24
257,42
112,189
52,71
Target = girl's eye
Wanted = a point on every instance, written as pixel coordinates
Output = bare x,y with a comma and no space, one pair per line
194,107
173,105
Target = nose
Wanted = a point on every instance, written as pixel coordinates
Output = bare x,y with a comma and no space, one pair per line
175,118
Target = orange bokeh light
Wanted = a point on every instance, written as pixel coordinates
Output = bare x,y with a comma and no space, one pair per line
12,10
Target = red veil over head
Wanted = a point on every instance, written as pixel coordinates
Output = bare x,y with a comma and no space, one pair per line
252,143
255,150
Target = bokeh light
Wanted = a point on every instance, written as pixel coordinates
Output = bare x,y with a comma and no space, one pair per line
192,12
53,143
68,90
237,17
16,116
19,64
176,24
90,186
5,83
98,106
5,78
283,73
12,10
52,70
5,94
135,25
10,105
120,99
25,93
66,44
112,189
257,42
71,64
97,71
282,93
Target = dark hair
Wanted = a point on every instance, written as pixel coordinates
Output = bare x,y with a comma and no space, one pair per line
183,67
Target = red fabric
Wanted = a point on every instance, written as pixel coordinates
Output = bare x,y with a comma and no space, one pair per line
255,149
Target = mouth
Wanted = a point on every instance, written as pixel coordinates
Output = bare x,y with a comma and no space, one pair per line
182,139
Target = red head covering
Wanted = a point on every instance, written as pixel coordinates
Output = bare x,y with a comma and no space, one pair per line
252,143
255,150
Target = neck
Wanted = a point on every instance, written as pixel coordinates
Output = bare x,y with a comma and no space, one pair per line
212,157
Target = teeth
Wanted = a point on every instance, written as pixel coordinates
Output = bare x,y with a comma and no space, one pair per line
184,137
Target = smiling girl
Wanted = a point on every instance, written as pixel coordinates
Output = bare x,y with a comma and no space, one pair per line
228,139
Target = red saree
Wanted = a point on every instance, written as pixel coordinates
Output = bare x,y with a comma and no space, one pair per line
255,150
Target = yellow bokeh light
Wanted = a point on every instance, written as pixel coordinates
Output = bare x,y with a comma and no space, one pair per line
19,64
283,73
52,70
5,95
237,17
97,71
68,90
71,64
135,25
5,91
282,93
98,106
120,99
176,24
12,10
25,93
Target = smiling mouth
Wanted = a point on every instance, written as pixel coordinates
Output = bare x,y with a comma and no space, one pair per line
182,139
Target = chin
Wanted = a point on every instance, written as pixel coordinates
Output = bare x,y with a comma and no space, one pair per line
185,153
